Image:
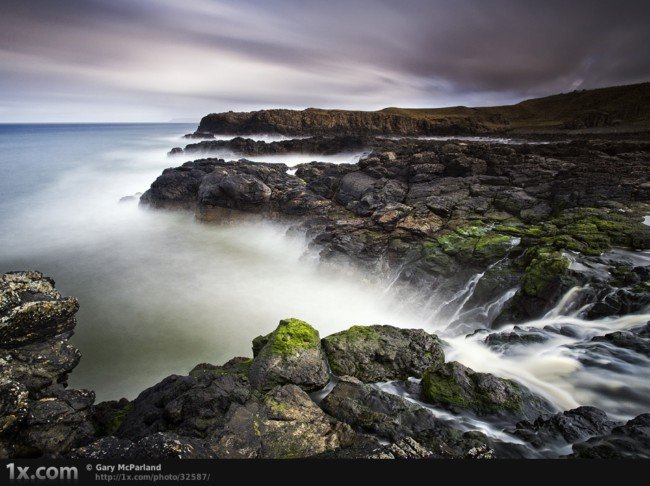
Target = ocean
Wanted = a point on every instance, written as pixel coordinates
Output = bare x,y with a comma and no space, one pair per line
159,292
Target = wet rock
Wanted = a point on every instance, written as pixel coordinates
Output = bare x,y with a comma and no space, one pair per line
516,337
38,416
391,417
637,339
565,428
292,355
620,302
41,367
459,388
382,353
629,441
309,145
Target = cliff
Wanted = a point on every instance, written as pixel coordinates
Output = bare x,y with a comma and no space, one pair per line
612,109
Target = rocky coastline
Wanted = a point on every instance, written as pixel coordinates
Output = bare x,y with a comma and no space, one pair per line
500,233
299,396
431,214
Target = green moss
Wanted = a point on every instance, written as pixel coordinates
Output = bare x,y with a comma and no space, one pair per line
436,259
545,266
453,243
365,333
256,426
510,230
440,387
276,406
469,231
291,336
492,246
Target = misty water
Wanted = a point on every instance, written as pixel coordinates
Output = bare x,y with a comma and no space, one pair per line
160,292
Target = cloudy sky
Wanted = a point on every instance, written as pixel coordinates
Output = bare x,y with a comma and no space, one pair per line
157,60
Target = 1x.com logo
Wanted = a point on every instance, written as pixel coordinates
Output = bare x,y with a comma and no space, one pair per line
52,472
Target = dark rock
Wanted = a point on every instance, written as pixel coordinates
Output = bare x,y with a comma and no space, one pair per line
382,353
107,417
53,426
629,441
391,417
291,355
165,445
285,424
565,427
32,310
516,337
189,406
459,388
309,145
38,416
635,339
13,404
108,447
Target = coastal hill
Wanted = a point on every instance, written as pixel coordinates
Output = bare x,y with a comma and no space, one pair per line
614,109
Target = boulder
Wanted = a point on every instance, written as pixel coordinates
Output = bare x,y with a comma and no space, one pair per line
292,354
284,424
564,428
382,353
459,388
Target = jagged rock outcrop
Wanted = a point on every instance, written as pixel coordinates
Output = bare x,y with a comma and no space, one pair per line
310,145
440,212
313,121
39,416
628,441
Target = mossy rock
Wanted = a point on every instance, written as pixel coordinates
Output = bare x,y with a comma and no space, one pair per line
459,388
545,269
491,247
382,353
293,336
291,354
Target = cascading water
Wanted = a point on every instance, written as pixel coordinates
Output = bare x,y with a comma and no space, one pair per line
568,362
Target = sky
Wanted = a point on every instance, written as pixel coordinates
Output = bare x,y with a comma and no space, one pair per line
163,60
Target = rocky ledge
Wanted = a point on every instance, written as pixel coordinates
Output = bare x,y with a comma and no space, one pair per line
298,396
432,214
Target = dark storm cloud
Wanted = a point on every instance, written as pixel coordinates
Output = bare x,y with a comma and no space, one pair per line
163,58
